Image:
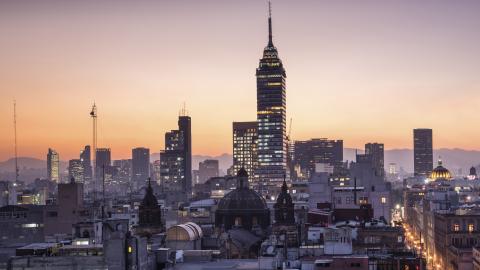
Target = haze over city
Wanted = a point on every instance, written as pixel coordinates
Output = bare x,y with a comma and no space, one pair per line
356,70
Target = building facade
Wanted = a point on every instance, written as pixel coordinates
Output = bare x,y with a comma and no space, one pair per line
140,166
422,151
53,165
245,148
76,170
376,151
85,157
176,159
271,114
207,169
310,152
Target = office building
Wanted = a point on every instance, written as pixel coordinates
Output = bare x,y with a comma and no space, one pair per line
271,114
376,151
76,170
123,171
245,149
85,157
140,166
104,157
53,165
207,169
176,159
310,152
422,151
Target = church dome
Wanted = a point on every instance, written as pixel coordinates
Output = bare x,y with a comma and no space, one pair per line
242,198
440,173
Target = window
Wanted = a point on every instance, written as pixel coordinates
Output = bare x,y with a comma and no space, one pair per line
456,227
383,200
471,227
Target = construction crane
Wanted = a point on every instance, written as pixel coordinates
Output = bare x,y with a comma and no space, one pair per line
93,114
17,171
289,130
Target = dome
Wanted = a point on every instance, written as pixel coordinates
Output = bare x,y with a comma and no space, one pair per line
440,173
242,198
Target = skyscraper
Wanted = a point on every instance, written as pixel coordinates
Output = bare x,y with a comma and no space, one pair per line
53,164
422,151
140,166
85,157
308,153
376,151
76,170
207,169
104,160
104,157
271,114
176,159
245,147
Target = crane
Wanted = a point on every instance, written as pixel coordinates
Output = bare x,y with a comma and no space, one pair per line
15,137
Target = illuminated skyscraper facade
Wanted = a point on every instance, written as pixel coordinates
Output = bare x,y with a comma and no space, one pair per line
76,171
245,152
271,114
85,157
176,159
53,165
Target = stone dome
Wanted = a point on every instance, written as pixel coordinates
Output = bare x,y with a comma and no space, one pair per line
440,173
242,198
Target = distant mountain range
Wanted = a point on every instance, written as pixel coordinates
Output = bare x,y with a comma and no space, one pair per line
458,161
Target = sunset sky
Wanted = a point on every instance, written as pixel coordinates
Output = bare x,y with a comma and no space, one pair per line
361,71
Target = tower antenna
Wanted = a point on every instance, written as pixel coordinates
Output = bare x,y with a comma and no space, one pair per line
15,136
270,39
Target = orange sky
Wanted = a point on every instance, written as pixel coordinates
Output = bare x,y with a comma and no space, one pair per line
360,71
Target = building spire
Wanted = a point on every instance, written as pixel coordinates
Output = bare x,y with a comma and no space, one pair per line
270,42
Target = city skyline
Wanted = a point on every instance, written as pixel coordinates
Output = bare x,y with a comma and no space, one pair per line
139,93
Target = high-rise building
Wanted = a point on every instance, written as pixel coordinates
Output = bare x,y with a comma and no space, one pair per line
104,157
76,170
140,166
103,161
245,147
123,171
392,168
376,150
176,159
156,172
310,152
85,157
53,165
271,114
207,169
422,151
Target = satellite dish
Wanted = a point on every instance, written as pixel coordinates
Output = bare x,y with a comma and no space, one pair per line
270,250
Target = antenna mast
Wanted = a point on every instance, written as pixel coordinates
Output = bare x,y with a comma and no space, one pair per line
15,135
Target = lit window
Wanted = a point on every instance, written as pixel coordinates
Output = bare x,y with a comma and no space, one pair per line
471,227
384,200
456,227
